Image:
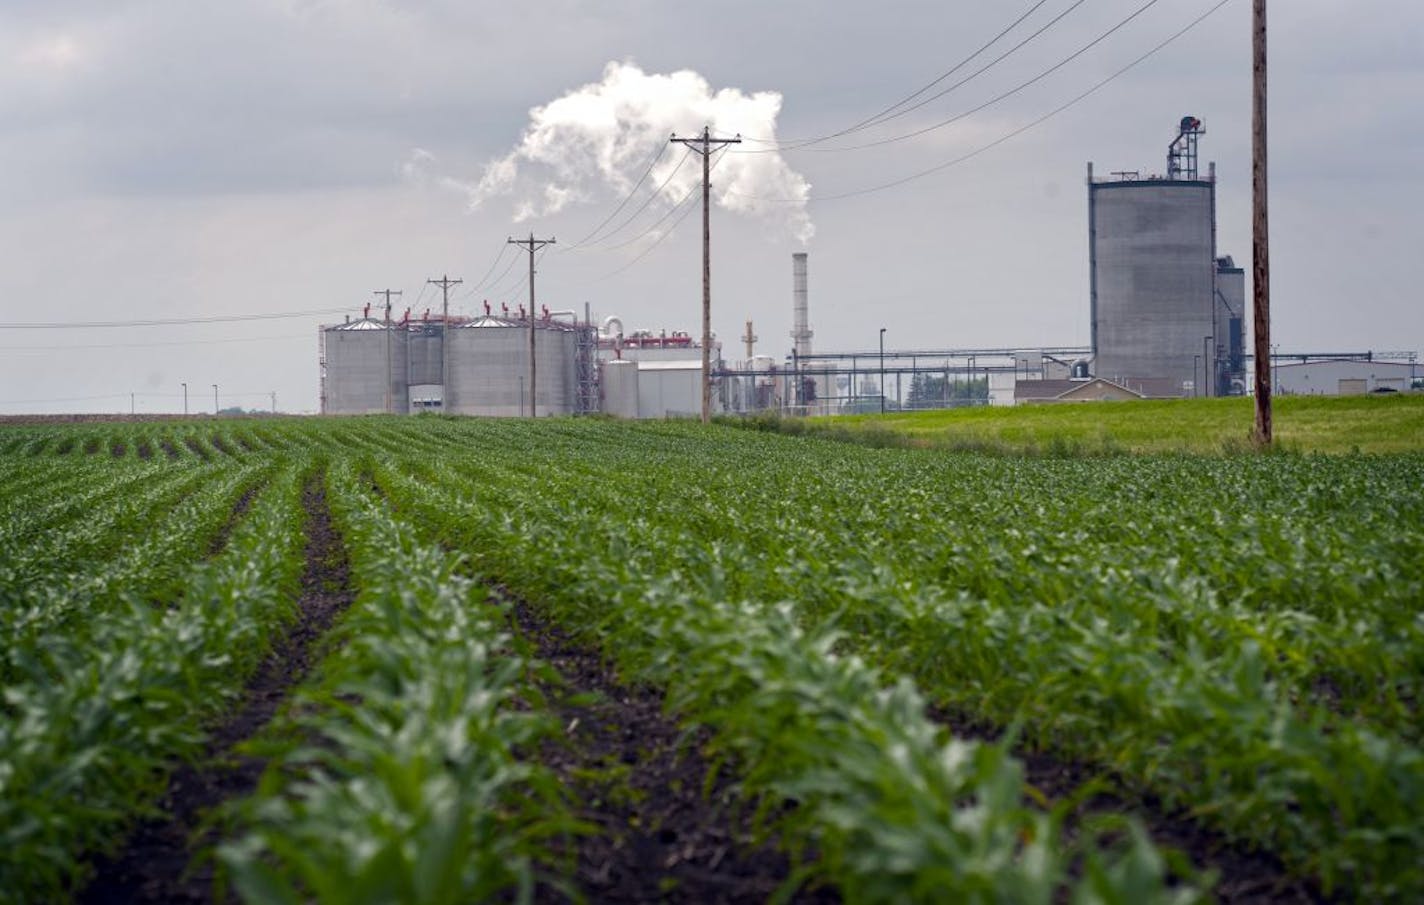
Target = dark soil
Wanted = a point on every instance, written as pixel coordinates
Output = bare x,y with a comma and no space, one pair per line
219,445
245,443
239,509
168,448
145,451
91,446
118,449
638,781
66,446
156,864
196,449
1247,877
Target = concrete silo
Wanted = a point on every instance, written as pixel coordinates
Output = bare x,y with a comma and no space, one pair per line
1153,274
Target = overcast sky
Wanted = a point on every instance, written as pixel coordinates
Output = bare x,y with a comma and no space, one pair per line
188,158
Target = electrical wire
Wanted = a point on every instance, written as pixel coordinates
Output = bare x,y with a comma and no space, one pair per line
193,342
656,193
478,284
672,229
987,66
890,112
1003,96
492,288
662,149
649,250
524,280
1007,137
170,321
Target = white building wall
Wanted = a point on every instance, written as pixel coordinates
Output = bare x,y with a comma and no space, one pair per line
1323,378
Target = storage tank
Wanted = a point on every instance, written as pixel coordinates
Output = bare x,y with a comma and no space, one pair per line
424,341
365,365
1153,272
489,368
620,388
1230,325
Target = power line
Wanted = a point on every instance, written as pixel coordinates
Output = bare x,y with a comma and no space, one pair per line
492,288
1001,97
532,245
478,284
169,321
890,113
1007,137
656,193
662,149
647,251
691,193
705,152
981,70
190,342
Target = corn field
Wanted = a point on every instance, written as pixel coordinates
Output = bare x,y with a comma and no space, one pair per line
441,660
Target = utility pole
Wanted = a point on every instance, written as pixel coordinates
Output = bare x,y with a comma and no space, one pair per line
215,399
445,283
532,245
1260,241
131,405
185,400
274,402
706,141
388,293
882,370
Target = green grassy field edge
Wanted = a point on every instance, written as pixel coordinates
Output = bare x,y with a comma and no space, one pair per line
1323,424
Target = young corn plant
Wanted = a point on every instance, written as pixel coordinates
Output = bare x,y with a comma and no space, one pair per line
397,777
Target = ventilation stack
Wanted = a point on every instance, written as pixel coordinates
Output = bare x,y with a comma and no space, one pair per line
800,311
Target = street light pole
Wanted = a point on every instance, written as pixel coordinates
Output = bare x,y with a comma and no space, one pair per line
882,370
1208,379
215,399
185,399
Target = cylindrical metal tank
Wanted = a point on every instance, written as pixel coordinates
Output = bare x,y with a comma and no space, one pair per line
1153,268
424,341
620,388
489,368
365,368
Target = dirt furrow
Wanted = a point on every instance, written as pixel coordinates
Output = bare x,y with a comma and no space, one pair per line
157,862
638,781
239,509
1246,877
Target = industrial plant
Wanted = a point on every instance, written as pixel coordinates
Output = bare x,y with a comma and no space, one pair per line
1167,313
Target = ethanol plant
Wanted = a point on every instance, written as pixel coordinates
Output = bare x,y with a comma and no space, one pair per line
1166,313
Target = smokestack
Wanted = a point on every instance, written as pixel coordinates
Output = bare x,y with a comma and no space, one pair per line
800,306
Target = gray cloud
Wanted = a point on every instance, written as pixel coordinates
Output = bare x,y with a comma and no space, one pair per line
193,156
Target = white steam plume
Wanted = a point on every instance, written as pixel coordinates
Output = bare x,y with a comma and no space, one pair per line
606,132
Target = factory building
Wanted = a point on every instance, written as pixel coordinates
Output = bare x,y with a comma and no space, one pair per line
1163,307
1345,376
466,366
480,366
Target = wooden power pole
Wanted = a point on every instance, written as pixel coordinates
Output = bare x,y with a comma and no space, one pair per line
1260,241
703,145
445,283
532,245
389,378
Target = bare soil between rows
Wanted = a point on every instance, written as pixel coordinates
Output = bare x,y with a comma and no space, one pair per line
1245,876
640,782
157,861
